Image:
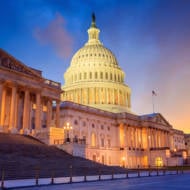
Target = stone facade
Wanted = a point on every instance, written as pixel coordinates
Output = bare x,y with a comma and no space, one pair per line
96,109
94,119
121,139
94,77
25,97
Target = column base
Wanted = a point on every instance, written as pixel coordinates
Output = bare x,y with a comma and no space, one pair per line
24,131
1,129
13,130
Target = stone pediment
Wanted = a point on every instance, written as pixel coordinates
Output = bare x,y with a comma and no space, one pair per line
157,118
9,62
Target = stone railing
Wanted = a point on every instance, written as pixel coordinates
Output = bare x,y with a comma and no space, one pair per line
52,83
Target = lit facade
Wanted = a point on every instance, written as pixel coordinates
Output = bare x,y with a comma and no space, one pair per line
92,118
187,143
96,103
94,77
25,98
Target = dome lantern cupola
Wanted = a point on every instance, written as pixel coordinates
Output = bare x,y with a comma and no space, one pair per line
93,33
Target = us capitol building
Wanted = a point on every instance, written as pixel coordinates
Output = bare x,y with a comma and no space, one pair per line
90,115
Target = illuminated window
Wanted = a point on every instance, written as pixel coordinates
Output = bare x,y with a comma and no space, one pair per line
44,108
159,162
93,139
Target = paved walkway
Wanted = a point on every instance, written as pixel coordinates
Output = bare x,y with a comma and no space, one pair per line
169,182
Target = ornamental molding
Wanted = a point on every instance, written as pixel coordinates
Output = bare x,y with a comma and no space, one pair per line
9,62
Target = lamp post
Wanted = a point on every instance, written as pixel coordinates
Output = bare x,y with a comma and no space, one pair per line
67,128
123,161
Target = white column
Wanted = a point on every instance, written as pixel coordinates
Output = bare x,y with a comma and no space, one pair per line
130,137
12,109
38,124
49,113
152,137
16,112
148,138
127,136
57,113
26,111
118,97
1,103
142,146
113,96
106,96
135,140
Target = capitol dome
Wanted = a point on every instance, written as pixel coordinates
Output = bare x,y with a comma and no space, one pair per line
94,77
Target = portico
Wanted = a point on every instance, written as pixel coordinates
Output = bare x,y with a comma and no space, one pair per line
26,98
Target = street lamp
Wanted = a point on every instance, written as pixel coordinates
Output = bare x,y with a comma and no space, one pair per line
67,128
123,161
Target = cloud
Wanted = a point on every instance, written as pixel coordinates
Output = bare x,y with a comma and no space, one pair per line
56,36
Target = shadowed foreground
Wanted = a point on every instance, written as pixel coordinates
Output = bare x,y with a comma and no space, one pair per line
26,157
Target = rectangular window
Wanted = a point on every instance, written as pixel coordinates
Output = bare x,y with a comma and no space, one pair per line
101,75
109,143
102,142
84,75
96,75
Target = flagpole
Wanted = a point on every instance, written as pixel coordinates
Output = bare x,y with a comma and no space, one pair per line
153,102
153,94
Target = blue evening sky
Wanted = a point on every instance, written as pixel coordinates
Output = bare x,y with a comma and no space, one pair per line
150,38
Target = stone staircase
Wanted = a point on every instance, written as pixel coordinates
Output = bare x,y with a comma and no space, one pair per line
26,157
